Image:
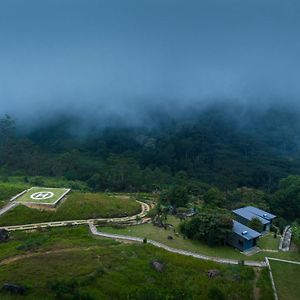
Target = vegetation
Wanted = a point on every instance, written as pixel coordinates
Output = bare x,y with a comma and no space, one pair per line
73,265
213,146
211,226
256,224
176,196
178,241
286,277
296,234
268,241
286,201
77,206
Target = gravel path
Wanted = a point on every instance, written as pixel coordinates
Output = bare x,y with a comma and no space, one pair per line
8,207
94,231
144,210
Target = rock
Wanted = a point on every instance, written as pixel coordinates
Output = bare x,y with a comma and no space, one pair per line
156,265
4,235
13,288
213,273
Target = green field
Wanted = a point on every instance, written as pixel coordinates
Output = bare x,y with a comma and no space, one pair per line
8,190
161,235
77,206
269,242
69,263
31,196
287,279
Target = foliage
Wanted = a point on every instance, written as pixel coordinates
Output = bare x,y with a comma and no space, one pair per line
209,148
176,196
286,201
214,197
245,196
256,224
111,270
211,226
296,234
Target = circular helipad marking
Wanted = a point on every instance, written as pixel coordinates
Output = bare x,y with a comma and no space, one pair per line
41,195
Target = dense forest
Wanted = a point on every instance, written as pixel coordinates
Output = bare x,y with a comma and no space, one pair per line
225,146
224,156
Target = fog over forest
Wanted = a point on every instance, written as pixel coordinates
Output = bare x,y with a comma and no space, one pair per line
127,60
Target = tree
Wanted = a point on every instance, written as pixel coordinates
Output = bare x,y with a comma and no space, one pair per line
214,197
296,234
256,224
176,196
286,201
7,129
245,196
210,226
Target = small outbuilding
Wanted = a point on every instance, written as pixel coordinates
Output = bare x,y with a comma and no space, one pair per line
242,237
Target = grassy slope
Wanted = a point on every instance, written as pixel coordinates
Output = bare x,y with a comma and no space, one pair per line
269,242
161,235
109,270
77,206
8,190
286,277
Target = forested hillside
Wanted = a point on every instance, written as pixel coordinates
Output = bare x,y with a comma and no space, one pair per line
225,146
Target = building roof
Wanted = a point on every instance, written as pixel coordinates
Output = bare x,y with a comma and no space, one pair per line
249,215
261,213
244,231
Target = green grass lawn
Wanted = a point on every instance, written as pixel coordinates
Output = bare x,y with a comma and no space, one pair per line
76,206
269,242
8,190
22,242
287,279
57,193
69,263
161,235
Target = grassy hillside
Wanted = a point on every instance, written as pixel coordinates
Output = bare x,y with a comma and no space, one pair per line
286,277
178,241
83,267
76,206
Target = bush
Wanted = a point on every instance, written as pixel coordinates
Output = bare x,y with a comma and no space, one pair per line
38,181
215,293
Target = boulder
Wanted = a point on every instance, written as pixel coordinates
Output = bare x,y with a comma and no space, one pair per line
156,265
213,273
13,288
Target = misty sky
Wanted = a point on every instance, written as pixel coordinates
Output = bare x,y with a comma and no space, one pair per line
103,58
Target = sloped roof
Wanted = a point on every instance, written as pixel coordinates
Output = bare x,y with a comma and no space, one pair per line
261,213
249,215
249,233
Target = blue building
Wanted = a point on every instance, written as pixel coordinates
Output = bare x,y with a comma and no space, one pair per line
242,237
245,214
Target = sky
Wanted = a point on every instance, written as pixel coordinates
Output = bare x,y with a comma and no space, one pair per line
118,59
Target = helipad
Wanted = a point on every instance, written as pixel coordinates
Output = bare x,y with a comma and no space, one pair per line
42,196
